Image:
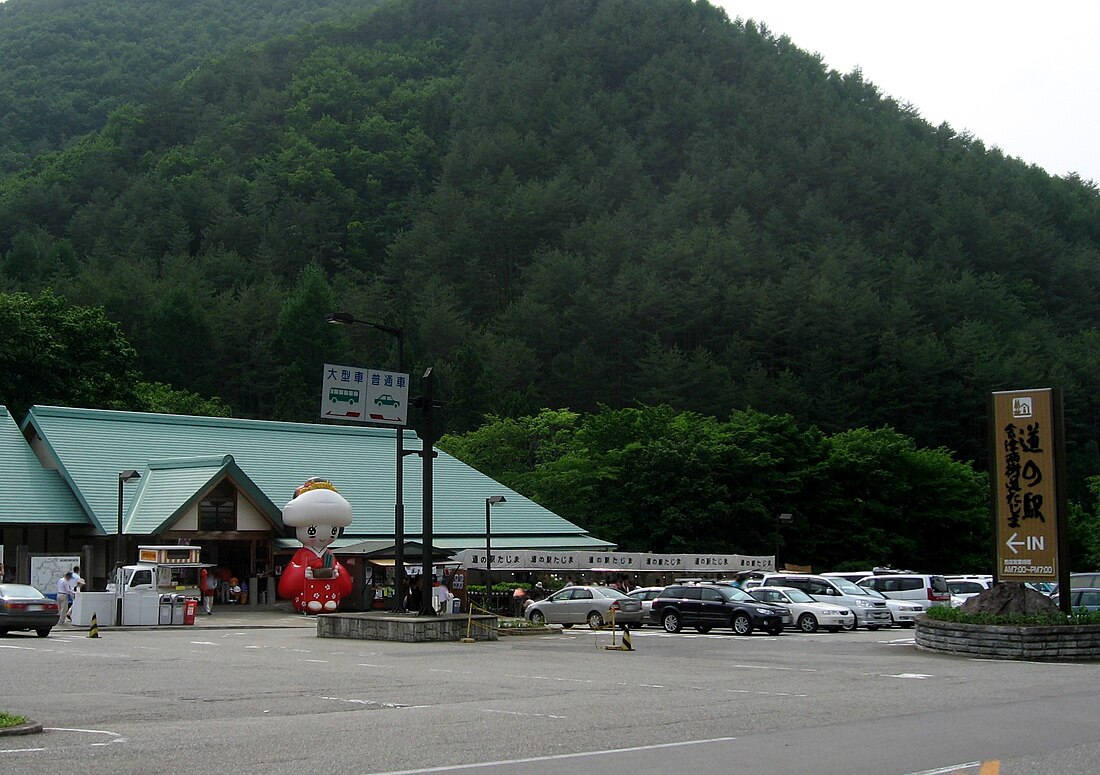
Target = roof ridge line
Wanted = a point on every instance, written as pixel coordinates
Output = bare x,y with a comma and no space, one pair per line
189,419
196,461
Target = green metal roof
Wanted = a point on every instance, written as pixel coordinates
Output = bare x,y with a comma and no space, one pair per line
30,493
171,487
91,446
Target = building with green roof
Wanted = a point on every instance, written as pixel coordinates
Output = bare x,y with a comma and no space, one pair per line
221,483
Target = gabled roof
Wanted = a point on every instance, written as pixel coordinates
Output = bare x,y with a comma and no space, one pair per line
91,446
31,493
172,487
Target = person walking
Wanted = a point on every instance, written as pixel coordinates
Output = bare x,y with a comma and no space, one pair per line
442,595
64,590
208,583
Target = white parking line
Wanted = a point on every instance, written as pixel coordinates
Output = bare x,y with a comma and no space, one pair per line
582,755
954,768
520,713
920,676
375,703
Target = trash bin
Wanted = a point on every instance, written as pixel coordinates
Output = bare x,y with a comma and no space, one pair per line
166,608
179,608
189,610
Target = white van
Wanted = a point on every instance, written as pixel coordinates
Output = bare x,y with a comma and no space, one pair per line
923,589
871,612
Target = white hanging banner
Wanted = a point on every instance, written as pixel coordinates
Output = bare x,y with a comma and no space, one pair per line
637,562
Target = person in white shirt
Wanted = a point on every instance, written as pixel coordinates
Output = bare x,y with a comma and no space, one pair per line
442,597
64,590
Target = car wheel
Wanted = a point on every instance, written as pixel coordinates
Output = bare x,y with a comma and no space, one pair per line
702,628
850,627
670,620
538,617
807,623
43,632
595,620
742,624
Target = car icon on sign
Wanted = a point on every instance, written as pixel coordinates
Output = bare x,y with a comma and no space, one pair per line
386,400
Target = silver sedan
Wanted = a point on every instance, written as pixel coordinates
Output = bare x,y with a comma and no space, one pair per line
576,605
807,613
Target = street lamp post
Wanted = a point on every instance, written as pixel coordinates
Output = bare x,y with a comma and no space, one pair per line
398,604
778,519
489,503
128,475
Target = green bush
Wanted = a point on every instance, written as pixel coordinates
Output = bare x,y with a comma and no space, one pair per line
8,720
1080,616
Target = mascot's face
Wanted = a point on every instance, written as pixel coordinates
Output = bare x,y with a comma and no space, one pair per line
317,537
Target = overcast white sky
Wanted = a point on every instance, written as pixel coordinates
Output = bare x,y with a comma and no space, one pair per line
1022,76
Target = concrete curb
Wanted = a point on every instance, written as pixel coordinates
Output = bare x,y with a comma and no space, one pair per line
515,631
30,728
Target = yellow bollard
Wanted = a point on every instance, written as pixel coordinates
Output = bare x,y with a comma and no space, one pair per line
625,645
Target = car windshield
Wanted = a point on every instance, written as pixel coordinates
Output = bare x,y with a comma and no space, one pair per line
611,592
797,596
849,588
19,590
733,593
874,593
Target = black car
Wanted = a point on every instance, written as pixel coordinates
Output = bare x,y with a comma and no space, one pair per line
705,606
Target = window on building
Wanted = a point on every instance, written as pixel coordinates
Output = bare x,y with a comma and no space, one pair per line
218,510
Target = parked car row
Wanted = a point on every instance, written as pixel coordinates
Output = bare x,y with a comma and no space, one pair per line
772,601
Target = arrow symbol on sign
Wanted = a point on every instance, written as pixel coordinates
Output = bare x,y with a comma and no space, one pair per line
1012,543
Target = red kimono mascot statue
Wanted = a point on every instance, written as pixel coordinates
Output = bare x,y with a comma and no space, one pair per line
313,579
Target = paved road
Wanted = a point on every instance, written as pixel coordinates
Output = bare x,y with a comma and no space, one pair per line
282,701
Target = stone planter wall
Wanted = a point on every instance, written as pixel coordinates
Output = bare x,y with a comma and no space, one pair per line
1059,644
407,628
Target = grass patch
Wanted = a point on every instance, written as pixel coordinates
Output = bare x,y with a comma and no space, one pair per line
1081,616
8,720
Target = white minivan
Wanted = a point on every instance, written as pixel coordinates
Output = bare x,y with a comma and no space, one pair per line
923,589
871,612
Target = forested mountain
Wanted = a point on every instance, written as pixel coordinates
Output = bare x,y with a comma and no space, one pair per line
66,64
570,203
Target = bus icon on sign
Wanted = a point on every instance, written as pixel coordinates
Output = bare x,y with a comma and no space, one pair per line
336,395
1021,407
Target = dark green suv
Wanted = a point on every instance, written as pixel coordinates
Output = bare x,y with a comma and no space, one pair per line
705,606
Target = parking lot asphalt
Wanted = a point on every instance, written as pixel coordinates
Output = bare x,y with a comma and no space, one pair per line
278,699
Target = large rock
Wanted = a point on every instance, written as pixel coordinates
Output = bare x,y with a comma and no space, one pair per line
1010,597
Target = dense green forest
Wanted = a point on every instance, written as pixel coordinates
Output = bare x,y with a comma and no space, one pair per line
66,64
566,204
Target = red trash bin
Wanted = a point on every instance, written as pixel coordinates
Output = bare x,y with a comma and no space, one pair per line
190,610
